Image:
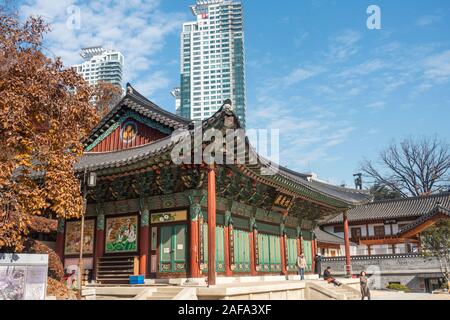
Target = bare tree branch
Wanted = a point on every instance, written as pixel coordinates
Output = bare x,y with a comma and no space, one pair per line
413,167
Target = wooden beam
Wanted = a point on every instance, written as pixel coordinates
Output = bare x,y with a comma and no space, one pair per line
421,227
382,241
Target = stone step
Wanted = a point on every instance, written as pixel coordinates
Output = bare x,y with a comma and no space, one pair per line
159,298
115,262
114,279
114,266
169,290
114,275
116,257
115,271
156,296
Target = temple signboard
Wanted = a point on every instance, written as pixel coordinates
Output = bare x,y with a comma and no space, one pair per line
283,202
167,217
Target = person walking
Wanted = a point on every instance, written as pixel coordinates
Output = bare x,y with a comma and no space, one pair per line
364,285
318,264
301,265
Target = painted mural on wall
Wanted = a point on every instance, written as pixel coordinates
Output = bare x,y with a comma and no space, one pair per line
121,234
72,241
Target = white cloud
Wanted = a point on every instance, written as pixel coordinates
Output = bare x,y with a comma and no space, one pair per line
344,46
307,132
301,74
376,105
428,20
137,28
363,69
437,67
300,39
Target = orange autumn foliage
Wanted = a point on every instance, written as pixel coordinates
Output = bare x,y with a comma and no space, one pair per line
44,115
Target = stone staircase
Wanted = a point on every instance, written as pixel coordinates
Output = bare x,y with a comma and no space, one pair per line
346,292
164,293
321,290
116,269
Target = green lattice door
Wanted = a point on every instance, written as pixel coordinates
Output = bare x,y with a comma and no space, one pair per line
172,248
241,250
292,253
220,249
269,252
306,244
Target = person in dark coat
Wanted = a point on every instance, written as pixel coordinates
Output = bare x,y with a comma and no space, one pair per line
329,278
318,264
364,285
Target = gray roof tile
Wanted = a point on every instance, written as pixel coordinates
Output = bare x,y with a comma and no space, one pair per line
399,208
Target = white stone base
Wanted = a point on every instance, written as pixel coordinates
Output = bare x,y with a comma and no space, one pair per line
201,282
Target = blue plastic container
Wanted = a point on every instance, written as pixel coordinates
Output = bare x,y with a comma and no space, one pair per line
137,279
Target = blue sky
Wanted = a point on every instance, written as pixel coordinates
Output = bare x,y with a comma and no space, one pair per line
337,91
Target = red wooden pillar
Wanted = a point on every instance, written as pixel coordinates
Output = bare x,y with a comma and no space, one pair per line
226,244
143,243
313,254
211,226
299,240
348,266
59,247
194,236
99,240
283,254
253,238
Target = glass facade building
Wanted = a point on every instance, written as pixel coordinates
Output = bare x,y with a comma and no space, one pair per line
213,60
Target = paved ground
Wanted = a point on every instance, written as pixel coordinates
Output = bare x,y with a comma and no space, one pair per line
388,295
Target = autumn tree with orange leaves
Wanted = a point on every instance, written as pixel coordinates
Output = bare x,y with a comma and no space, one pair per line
44,115
107,95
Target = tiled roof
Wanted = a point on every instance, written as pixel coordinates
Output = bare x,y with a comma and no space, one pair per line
326,237
351,196
138,103
391,209
134,100
104,160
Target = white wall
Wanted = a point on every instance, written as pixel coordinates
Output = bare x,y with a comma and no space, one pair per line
375,249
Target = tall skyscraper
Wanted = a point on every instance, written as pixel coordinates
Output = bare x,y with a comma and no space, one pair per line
212,60
101,65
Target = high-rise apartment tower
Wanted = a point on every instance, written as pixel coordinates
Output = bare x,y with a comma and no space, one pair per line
101,65
212,60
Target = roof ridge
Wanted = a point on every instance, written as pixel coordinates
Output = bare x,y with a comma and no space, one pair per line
436,195
133,93
351,190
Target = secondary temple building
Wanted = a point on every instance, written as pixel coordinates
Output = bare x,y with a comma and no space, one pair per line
148,215
390,226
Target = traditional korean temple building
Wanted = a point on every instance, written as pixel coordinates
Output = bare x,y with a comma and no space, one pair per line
390,226
147,215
